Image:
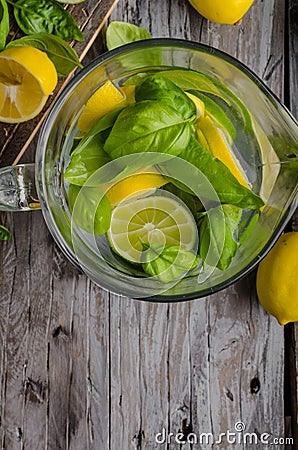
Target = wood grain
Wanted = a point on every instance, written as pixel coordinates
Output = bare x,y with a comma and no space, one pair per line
81,368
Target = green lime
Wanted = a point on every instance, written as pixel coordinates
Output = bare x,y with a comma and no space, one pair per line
156,219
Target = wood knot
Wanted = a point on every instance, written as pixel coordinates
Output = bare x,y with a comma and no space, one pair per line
229,394
255,385
34,391
60,331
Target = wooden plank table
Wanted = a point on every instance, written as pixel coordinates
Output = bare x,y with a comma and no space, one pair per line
81,368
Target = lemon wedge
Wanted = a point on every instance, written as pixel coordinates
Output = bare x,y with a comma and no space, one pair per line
104,100
136,184
128,92
200,105
218,147
27,77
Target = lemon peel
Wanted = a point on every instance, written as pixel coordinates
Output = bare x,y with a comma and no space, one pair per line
277,279
222,11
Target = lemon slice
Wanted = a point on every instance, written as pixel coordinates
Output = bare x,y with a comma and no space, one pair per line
129,93
158,218
219,148
200,105
135,185
27,77
104,100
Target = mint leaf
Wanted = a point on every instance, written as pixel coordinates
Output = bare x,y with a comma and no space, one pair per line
186,80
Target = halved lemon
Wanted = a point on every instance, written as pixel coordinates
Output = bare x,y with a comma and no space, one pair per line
156,219
27,77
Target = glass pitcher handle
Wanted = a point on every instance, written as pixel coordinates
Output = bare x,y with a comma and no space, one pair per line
17,188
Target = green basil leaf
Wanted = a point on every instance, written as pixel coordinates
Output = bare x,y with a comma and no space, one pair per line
191,200
168,263
120,33
227,187
60,52
148,126
4,23
164,90
186,80
85,162
247,223
46,16
103,124
91,209
213,232
4,233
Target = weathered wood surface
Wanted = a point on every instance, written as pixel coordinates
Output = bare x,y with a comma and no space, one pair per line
292,96
84,369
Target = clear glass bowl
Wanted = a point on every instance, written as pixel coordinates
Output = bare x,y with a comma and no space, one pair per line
274,125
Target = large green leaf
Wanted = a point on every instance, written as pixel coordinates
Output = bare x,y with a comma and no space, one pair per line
160,88
121,33
218,235
91,209
227,187
168,263
46,16
4,23
148,126
85,162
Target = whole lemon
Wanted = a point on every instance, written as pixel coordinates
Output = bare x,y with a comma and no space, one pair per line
277,279
222,11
